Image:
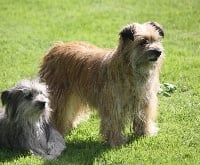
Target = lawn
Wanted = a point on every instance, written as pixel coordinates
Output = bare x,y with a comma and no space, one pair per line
28,29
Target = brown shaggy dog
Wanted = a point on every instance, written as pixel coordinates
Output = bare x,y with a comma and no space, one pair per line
122,83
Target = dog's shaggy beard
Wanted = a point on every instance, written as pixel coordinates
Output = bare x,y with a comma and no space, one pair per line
24,123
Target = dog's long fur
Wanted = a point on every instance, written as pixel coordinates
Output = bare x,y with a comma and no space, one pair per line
25,124
121,84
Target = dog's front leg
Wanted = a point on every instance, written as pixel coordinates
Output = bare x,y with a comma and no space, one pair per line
112,128
144,118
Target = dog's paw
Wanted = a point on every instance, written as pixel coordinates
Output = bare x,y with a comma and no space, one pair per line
117,142
153,130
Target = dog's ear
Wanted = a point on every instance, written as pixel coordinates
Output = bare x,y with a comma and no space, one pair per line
128,32
5,97
158,27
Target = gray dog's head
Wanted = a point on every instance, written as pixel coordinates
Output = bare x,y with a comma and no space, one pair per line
141,43
25,124
27,101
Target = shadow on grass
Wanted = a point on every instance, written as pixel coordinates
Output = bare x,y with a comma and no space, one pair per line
82,152
7,155
76,153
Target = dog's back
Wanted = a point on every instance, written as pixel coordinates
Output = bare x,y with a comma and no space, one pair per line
82,58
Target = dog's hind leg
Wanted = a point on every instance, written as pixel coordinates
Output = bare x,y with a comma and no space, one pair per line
69,112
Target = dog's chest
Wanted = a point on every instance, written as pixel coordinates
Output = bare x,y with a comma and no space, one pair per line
130,91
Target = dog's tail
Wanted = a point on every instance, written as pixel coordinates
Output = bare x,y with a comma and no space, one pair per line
48,61
51,68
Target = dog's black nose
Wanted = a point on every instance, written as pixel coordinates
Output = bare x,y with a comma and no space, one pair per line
158,53
40,104
154,54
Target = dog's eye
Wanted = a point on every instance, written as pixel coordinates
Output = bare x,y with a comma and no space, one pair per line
144,42
29,96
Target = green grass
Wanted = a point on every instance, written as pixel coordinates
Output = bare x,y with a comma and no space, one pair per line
27,30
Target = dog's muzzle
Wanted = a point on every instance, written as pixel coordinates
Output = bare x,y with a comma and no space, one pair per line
153,55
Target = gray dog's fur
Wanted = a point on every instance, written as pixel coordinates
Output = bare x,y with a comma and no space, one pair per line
24,122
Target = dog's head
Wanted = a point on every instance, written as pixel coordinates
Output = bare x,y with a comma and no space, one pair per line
27,112
26,101
142,42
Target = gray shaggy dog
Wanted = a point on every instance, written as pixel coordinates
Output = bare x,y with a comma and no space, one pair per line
24,122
